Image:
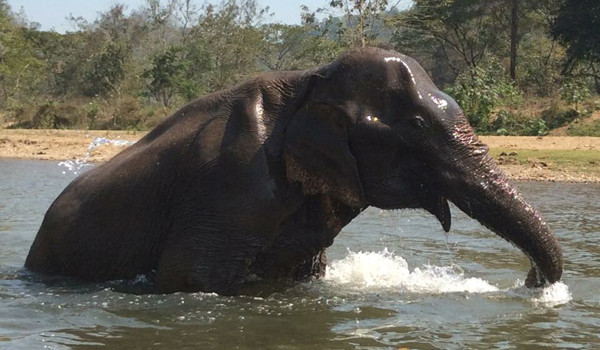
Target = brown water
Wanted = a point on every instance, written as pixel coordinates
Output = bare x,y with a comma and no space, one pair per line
395,281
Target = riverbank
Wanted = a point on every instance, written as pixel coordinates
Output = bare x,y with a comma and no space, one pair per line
549,158
61,144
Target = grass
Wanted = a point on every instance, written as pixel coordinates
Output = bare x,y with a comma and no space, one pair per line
583,161
591,128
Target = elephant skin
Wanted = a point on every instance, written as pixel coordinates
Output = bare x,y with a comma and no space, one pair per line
257,181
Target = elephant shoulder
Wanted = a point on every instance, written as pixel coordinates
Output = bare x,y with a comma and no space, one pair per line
237,128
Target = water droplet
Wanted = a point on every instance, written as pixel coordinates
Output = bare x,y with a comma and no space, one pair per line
74,166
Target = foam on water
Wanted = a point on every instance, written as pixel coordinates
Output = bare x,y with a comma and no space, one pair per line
385,271
555,294
552,295
75,166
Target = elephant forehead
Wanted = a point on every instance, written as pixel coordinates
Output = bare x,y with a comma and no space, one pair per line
389,73
367,78
410,69
419,82
409,72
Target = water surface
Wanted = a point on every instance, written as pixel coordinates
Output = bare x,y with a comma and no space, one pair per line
395,280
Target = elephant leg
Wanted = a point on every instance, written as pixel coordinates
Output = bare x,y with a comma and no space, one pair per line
298,251
291,257
208,265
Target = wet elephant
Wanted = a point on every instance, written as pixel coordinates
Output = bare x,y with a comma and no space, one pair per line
259,179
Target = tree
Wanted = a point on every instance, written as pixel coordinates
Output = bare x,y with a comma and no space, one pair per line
577,26
521,19
232,36
162,18
188,15
107,71
479,93
197,65
363,20
105,56
283,46
461,28
451,37
574,92
166,75
540,56
507,14
514,37
21,71
114,22
355,23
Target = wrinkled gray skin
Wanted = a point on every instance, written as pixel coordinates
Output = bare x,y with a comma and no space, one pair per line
259,179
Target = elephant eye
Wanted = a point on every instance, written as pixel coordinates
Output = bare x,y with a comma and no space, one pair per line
420,121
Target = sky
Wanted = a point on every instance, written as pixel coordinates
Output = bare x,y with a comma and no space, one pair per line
52,14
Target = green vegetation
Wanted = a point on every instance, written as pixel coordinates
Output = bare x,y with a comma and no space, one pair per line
591,128
515,67
481,90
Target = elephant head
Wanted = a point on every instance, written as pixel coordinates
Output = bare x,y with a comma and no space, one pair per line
373,130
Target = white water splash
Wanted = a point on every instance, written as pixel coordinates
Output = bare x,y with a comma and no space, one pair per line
383,270
552,295
555,294
75,166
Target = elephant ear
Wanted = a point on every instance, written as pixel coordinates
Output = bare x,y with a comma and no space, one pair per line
317,155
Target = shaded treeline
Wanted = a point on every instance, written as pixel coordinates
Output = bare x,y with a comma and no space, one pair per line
515,66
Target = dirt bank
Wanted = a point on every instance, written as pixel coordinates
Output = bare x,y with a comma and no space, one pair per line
564,143
60,144
551,158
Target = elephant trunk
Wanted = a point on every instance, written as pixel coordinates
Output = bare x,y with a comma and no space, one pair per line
486,195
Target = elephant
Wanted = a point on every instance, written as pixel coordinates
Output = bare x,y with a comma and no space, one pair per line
255,182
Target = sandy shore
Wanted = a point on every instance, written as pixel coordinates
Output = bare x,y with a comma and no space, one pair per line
72,144
61,144
580,155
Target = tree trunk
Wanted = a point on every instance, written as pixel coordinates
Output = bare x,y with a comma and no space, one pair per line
514,38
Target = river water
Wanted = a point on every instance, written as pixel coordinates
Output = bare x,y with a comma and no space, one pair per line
395,281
